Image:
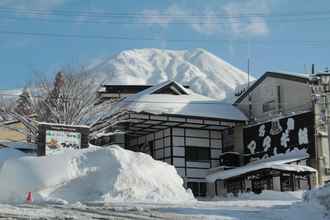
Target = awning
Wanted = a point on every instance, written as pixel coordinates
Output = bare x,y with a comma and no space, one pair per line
281,165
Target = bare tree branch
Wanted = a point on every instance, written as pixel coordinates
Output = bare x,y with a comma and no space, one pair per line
72,99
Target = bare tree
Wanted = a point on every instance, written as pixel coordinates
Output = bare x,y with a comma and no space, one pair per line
71,99
6,105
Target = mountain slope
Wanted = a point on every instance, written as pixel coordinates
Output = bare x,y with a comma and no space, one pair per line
204,72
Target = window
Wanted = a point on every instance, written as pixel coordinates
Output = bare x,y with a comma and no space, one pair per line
269,106
197,154
197,188
273,93
228,148
234,186
172,89
229,131
287,182
264,183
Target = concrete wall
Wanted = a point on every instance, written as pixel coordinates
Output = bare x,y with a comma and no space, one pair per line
292,96
322,147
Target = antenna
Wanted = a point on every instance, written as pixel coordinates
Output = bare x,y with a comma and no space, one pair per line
248,70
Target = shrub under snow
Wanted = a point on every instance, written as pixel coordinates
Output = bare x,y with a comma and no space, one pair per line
91,175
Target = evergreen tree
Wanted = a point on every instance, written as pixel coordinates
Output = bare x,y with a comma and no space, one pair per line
23,104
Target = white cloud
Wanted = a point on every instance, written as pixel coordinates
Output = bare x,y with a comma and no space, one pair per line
252,24
152,16
226,19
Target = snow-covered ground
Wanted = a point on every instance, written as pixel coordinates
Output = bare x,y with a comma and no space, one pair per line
113,183
248,207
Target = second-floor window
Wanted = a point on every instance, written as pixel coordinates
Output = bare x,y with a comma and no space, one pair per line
197,154
269,106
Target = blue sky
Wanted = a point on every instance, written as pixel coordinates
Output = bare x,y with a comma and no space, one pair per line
275,34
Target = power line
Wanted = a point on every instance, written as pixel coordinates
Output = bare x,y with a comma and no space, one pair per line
142,22
108,37
159,14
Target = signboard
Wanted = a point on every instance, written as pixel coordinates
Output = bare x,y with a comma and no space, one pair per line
62,139
53,137
280,136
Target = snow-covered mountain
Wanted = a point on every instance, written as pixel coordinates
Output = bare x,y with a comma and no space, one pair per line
204,72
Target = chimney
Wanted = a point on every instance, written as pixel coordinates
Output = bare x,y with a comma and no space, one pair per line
313,69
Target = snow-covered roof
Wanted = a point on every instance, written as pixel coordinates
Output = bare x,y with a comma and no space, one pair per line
287,157
278,162
302,75
63,125
183,102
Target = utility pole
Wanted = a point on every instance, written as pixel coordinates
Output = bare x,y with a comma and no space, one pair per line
321,92
248,71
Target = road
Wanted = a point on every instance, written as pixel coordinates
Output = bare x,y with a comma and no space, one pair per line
263,210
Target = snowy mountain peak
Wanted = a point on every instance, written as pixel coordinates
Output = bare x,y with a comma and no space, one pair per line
204,72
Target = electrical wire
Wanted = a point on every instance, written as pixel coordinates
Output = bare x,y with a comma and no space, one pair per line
194,18
241,14
143,22
108,37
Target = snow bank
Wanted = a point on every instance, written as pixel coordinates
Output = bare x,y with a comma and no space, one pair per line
91,175
9,153
266,195
273,195
319,196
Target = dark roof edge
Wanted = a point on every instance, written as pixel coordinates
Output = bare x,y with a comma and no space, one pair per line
274,75
135,85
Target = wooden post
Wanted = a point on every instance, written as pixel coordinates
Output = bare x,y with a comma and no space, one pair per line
216,187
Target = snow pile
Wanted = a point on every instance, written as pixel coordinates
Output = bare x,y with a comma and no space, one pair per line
266,195
206,73
319,196
9,153
91,175
272,195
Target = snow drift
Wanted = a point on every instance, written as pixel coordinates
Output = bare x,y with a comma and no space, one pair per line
91,175
9,153
204,72
319,196
267,195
